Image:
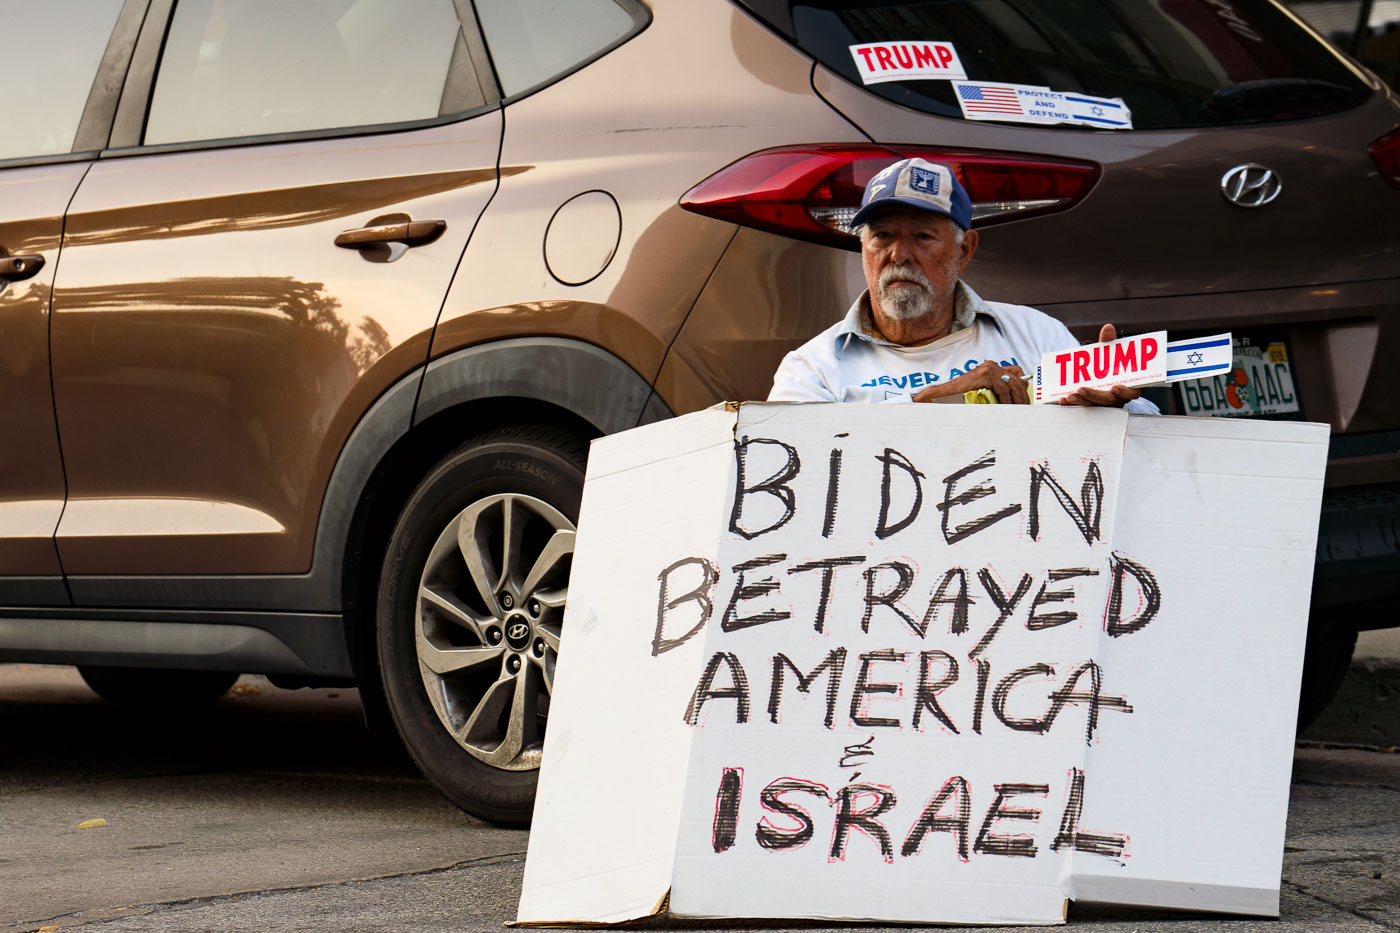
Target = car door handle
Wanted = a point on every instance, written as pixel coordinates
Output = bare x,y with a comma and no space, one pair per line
409,233
18,268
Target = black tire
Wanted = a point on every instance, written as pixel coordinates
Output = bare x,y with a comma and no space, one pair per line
457,723
140,686
1326,660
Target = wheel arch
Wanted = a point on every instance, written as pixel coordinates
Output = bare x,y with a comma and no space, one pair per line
533,380
587,381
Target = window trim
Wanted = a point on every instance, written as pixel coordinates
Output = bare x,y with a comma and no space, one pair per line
130,122
476,45
55,159
271,139
95,127
641,18
129,128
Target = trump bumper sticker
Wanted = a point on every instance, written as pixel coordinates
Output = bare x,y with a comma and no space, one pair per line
878,62
1130,361
1148,359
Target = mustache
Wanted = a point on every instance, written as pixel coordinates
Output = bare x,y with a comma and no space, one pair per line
903,272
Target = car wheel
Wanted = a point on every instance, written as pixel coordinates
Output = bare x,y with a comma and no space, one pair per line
471,600
1326,660
140,686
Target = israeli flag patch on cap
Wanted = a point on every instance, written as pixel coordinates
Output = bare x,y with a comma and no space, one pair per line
919,184
921,179
929,183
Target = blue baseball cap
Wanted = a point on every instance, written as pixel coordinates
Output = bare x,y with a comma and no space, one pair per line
921,185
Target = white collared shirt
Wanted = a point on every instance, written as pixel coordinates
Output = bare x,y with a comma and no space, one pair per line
847,363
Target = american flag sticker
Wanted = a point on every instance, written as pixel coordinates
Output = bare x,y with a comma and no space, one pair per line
989,98
985,100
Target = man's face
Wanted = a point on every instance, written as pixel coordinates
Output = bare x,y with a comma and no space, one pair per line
912,261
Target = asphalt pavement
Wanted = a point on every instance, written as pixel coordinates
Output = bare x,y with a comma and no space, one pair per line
273,810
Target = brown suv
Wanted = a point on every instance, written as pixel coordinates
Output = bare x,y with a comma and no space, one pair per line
310,309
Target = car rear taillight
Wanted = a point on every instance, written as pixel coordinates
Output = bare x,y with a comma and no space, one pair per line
1385,152
812,192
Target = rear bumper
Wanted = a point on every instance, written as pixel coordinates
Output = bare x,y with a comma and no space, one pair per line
1358,554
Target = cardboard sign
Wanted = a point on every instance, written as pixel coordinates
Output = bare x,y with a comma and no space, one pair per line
1147,359
877,62
954,664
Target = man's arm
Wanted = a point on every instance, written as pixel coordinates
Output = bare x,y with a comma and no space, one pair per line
1011,390
798,380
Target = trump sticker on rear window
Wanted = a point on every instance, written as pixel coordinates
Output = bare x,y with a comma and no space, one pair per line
878,62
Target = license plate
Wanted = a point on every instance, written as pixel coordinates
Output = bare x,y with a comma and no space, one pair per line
1260,384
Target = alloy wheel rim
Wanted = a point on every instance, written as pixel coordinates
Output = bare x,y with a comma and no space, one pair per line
488,614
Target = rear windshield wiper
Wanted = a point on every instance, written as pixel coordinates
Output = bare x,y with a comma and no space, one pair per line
1225,100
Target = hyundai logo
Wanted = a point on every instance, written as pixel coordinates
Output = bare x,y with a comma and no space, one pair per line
518,632
1250,185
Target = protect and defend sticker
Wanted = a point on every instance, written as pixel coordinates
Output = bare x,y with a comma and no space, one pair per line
1025,103
1018,103
878,62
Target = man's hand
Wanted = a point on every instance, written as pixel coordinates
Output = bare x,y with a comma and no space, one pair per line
1010,390
1116,397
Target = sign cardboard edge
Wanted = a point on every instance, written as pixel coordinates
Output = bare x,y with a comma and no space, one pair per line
661,910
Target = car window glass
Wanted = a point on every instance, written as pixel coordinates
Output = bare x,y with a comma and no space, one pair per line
47,70
253,67
533,41
1175,63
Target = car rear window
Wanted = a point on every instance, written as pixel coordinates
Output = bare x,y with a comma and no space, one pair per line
1175,63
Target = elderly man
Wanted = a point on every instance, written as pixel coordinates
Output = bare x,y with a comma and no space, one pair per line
919,333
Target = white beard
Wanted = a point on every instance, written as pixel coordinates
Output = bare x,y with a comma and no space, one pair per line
905,303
